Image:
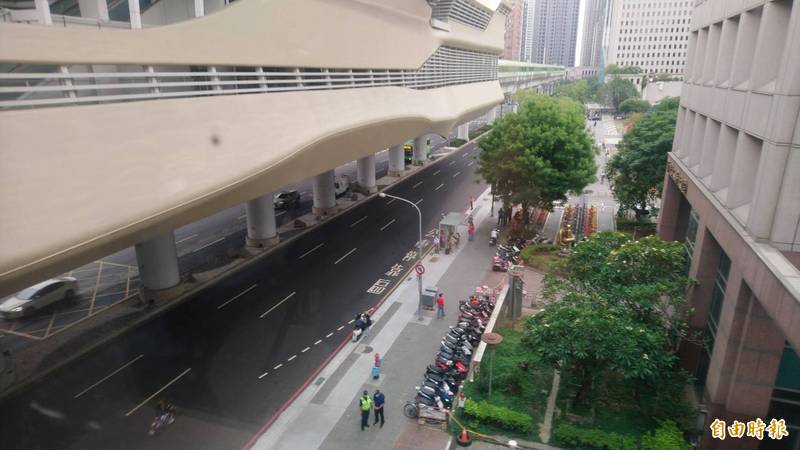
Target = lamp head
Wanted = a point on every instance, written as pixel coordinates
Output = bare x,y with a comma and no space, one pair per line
381,195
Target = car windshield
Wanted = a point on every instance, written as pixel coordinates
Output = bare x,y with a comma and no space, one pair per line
27,294
283,195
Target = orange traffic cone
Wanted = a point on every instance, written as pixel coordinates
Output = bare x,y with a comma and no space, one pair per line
463,439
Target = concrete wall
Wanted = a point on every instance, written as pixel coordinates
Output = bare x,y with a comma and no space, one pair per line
655,91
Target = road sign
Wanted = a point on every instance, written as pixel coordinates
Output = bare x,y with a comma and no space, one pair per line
420,269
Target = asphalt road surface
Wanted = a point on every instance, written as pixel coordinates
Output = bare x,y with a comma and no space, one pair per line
229,357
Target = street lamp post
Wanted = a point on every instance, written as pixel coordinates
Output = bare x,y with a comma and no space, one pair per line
419,246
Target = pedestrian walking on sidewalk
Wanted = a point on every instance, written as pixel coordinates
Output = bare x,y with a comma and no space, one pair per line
436,244
378,400
440,306
500,215
365,404
471,232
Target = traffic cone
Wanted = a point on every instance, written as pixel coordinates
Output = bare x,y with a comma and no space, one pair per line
463,439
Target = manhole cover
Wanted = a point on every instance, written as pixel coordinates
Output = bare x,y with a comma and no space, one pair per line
434,258
367,349
319,381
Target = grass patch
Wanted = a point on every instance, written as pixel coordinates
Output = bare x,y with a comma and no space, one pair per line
457,142
521,383
540,256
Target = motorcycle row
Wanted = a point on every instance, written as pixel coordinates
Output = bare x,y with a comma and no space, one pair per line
444,377
506,255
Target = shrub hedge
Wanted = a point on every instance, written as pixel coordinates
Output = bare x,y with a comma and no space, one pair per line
571,436
503,417
457,142
666,437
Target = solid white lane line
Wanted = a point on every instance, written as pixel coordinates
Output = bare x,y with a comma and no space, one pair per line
293,357
329,335
209,244
340,328
310,251
470,163
157,392
451,163
186,239
277,367
317,343
436,173
279,304
416,185
345,256
456,174
390,201
439,187
419,201
263,375
358,221
237,296
108,376
305,349
387,225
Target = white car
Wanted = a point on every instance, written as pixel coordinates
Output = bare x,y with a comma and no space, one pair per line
38,296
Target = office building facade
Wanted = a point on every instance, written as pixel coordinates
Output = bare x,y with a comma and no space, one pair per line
650,34
732,195
514,31
593,29
555,32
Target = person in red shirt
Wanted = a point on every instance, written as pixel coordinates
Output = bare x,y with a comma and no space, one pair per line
440,306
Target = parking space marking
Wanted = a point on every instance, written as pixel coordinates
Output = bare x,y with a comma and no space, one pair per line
310,251
186,239
108,376
345,256
237,296
387,225
358,221
208,245
279,304
158,392
439,187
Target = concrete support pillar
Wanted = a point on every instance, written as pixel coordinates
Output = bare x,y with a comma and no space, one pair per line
136,15
158,262
43,12
462,132
420,151
324,194
365,168
199,8
262,231
674,216
397,162
95,9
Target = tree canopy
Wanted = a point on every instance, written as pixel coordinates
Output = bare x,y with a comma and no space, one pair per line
636,171
617,90
582,91
619,311
633,105
613,69
538,155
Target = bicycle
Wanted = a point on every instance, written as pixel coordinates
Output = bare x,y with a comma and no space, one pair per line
411,409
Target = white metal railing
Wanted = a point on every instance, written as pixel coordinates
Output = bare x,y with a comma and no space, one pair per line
446,67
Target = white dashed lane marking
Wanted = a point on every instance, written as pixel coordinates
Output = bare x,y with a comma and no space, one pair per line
329,335
419,201
436,173
358,221
439,187
277,367
305,349
311,251
345,256
186,239
318,342
237,296
416,185
263,375
293,357
456,174
387,225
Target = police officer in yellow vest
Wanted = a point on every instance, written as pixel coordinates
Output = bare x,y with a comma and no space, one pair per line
365,404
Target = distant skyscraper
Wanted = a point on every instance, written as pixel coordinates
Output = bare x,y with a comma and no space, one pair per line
555,32
513,36
526,44
651,35
593,25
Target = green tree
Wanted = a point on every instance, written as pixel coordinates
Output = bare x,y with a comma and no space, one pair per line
540,154
617,91
578,91
636,171
613,69
633,105
578,335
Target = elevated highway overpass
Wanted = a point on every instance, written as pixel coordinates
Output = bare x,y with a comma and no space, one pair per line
112,137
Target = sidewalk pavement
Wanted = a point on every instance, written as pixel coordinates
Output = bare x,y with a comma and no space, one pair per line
325,415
